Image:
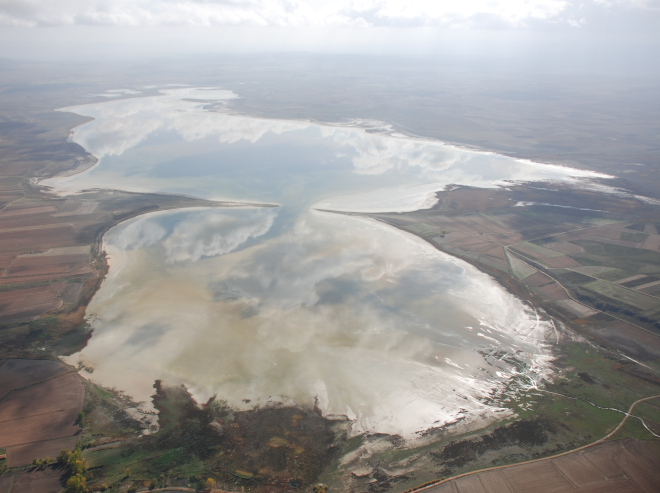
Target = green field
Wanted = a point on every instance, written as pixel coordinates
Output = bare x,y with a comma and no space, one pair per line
623,295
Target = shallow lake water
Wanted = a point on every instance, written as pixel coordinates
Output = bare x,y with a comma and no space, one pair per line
294,304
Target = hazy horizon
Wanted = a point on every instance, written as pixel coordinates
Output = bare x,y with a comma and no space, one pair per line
602,36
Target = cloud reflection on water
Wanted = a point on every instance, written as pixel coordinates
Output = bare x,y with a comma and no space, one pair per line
360,170
293,305
340,311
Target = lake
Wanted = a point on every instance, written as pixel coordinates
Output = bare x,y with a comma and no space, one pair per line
296,304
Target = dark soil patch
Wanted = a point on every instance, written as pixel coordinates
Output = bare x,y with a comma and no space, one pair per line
526,434
383,482
586,377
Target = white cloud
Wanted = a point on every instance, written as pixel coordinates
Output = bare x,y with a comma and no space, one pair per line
295,13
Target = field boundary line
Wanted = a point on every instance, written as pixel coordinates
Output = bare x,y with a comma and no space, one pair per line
36,383
600,440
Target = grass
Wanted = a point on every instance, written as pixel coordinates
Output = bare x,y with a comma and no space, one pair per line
590,376
568,421
520,269
634,237
619,253
613,274
623,295
633,428
424,229
543,251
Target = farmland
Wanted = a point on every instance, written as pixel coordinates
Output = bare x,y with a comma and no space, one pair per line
624,466
587,258
40,402
596,268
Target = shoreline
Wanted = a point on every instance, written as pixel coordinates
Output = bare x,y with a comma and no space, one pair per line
97,249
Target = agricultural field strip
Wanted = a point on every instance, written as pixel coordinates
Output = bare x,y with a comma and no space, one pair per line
612,283
622,230
585,274
520,256
647,285
506,247
638,362
600,440
628,279
44,282
35,383
26,416
8,204
69,274
525,259
555,234
38,227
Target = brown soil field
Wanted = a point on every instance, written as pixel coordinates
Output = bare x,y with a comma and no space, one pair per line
622,466
45,238
495,263
528,251
38,239
39,409
19,373
55,395
560,262
71,292
19,282
6,259
652,243
564,247
25,454
497,252
538,279
636,342
644,288
553,292
37,265
26,210
467,242
47,480
27,304
38,428
576,309
623,243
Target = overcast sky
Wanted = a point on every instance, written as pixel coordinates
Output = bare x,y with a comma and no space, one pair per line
84,28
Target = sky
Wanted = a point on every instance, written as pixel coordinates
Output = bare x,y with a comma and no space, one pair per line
132,28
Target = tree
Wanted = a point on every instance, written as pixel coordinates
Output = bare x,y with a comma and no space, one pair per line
76,484
210,484
64,456
78,466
